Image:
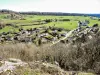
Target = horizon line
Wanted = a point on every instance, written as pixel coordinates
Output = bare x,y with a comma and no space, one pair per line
49,12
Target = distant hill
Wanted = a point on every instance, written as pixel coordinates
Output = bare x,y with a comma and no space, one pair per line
7,11
95,15
49,13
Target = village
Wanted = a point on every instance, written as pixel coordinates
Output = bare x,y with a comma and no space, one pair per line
33,35
44,35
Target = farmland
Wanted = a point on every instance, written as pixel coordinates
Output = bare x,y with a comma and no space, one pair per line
30,21
50,45
39,27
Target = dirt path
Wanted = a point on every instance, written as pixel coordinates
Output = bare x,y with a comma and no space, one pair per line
67,35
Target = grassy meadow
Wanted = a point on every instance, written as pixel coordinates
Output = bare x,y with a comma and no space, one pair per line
32,21
78,54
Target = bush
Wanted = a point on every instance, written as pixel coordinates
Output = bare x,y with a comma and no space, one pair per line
2,25
77,57
21,51
48,20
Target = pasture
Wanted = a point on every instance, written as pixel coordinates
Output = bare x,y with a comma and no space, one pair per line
39,28
56,40
34,21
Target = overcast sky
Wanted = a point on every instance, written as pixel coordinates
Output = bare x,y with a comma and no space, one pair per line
70,6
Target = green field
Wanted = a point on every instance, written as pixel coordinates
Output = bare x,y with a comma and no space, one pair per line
42,41
31,20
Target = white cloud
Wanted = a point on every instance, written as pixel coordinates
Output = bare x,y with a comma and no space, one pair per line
73,6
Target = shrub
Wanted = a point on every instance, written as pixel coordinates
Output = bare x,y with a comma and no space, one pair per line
77,57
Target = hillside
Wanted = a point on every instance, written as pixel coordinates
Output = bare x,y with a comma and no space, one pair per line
50,13
77,54
38,29
45,43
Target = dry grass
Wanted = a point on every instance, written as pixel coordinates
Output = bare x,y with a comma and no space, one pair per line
70,57
22,51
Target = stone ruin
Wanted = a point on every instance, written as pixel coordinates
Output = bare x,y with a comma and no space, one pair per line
83,35
33,35
82,23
